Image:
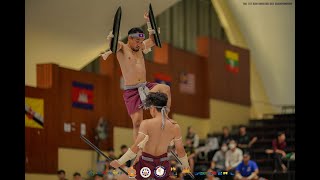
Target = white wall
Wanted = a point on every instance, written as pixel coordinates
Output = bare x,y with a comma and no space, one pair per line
72,33
269,31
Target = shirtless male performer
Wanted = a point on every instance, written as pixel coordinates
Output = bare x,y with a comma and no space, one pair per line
132,65
153,139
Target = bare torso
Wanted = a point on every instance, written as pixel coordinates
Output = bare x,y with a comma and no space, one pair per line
159,139
132,65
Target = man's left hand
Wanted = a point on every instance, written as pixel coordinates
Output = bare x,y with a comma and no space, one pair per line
115,164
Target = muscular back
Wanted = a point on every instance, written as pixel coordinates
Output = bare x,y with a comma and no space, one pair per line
132,65
159,139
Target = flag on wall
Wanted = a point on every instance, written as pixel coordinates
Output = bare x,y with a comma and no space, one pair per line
232,61
82,95
162,78
187,83
33,117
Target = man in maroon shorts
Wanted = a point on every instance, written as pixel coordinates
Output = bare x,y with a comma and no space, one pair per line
131,61
153,139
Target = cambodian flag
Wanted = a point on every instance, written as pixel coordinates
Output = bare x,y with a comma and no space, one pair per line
82,95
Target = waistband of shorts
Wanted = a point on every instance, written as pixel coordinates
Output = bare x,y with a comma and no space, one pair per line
152,159
148,157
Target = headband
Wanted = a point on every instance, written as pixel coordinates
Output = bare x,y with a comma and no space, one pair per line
163,113
137,35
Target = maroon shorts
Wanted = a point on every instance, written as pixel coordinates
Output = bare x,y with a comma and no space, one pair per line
132,99
163,167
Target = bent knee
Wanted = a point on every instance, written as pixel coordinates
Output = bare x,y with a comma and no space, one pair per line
165,88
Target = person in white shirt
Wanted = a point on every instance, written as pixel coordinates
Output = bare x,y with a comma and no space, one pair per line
234,156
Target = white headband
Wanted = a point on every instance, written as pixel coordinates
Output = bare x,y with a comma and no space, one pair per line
138,35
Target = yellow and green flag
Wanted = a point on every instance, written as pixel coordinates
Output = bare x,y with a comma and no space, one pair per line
232,61
34,112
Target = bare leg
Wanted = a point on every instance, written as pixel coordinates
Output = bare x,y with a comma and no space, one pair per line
136,121
164,89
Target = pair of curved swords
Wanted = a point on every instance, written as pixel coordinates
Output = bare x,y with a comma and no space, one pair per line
116,29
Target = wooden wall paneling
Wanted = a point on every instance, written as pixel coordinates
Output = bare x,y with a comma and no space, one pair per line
224,85
65,103
47,76
103,100
198,103
76,116
203,46
51,127
41,144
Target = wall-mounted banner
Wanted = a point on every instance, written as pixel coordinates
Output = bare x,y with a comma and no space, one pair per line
82,95
187,83
33,117
232,61
162,78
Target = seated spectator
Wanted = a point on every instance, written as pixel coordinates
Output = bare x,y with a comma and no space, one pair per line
247,169
98,176
111,153
212,145
245,141
225,137
77,176
61,174
219,158
190,152
109,169
193,136
279,145
234,156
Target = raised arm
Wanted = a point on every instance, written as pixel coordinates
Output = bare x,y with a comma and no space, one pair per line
150,42
106,54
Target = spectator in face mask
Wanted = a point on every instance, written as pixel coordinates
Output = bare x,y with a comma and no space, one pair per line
219,158
234,156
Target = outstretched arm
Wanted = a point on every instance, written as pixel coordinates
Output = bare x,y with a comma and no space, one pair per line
133,150
180,148
253,140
